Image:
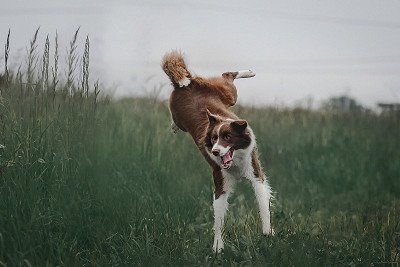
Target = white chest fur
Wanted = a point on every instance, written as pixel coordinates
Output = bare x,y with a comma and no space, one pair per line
242,166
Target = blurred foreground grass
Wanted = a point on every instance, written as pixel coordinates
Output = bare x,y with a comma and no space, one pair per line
89,181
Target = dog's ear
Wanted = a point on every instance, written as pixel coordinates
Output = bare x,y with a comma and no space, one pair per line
212,118
239,125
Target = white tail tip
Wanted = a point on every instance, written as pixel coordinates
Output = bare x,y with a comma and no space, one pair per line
184,82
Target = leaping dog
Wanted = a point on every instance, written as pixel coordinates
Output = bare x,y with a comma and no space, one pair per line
200,106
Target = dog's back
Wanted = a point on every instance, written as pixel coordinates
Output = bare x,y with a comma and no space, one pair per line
192,96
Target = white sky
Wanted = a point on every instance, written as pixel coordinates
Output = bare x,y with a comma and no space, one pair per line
298,49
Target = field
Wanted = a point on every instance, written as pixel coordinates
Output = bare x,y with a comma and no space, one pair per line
85,180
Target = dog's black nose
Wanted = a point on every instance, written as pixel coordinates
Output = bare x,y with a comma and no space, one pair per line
215,152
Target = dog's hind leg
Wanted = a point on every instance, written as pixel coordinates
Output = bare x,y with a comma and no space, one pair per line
263,194
228,91
232,75
223,187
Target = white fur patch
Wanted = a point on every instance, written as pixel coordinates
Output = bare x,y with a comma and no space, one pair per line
222,150
263,194
245,74
184,82
220,207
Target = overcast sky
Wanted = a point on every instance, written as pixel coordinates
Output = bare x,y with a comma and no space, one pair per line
298,49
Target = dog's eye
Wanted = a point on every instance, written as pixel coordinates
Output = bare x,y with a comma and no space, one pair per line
214,138
227,136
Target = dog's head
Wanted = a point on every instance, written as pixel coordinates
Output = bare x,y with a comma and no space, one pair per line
225,137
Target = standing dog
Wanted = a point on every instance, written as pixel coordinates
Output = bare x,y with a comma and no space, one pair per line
200,106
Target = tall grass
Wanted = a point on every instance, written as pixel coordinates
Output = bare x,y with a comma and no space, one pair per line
88,181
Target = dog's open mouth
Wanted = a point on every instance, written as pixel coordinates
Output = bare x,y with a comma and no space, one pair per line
227,159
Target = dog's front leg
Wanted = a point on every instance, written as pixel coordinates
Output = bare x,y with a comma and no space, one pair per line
263,195
223,187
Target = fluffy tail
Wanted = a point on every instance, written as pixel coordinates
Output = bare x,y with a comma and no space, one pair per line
174,66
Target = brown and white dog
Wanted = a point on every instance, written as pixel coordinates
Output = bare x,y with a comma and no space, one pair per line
200,106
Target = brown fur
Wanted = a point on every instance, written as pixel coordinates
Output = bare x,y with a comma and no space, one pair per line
174,66
257,169
218,182
189,106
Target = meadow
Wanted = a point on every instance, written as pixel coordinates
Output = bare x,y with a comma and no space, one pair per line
88,180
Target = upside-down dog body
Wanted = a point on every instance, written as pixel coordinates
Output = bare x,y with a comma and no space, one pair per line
200,106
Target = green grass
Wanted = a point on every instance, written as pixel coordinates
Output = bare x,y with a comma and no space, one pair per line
88,181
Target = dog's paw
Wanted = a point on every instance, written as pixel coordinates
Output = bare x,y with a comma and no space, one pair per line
269,232
245,74
174,128
218,246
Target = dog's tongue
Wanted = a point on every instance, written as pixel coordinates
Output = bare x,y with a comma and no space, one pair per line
227,157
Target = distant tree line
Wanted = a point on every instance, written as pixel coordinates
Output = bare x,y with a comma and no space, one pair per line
345,103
